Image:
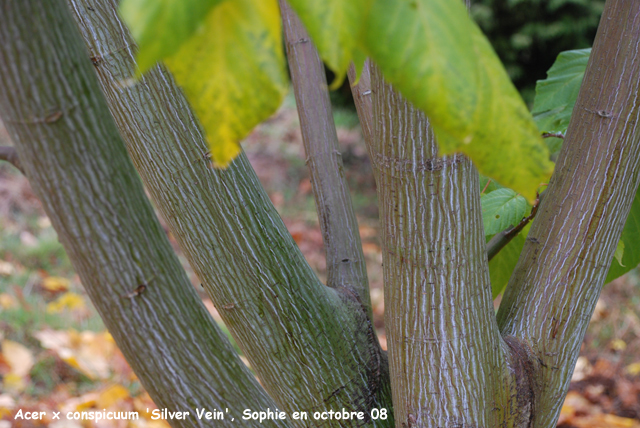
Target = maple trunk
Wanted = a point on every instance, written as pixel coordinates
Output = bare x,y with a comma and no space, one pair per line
440,326
313,347
452,362
449,365
76,162
78,167
556,283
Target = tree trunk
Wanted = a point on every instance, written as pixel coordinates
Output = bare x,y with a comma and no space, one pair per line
449,366
346,266
312,346
451,362
556,283
76,162
553,292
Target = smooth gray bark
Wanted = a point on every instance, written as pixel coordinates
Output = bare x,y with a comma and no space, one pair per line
77,164
312,346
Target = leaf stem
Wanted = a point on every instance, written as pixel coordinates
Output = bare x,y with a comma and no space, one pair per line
485,187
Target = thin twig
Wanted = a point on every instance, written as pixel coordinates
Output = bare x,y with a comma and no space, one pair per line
501,239
485,187
553,135
10,155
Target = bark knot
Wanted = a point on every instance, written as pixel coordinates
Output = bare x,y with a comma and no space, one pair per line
524,366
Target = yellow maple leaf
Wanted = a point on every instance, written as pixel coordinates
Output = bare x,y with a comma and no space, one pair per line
633,369
7,301
55,284
618,345
88,352
68,301
112,395
233,72
13,382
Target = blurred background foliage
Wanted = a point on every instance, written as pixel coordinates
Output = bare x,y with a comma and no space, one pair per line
528,35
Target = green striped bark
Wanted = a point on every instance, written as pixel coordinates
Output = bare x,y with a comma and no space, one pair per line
312,346
550,299
448,363
69,146
556,283
346,266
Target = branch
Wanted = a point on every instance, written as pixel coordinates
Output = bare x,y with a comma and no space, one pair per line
448,361
310,346
80,171
555,286
10,155
345,260
553,135
500,240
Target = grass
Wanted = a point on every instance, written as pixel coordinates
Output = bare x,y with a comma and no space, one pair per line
30,251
